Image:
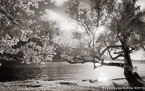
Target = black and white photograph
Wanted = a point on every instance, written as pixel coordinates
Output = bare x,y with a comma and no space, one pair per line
72,45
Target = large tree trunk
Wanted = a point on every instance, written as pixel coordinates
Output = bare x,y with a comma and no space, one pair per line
131,76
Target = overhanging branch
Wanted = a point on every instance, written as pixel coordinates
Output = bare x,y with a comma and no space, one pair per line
69,61
115,46
81,60
114,58
108,47
113,64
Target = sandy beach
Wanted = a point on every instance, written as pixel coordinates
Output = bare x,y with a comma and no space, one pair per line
66,85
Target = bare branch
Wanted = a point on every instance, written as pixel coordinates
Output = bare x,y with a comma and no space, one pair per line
116,46
114,58
120,52
102,63
82,60
69,61
86,28
108,47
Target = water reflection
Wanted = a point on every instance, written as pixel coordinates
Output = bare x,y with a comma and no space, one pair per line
106,73
102,76
102,79
61,71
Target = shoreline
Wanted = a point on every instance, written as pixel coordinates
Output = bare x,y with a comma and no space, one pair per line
70,84
65,85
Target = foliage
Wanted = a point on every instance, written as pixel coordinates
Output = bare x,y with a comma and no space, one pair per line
23,31
121,20
126,29
90,14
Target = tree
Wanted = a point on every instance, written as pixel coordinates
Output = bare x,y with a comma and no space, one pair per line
25,32
128,31
11,16
125,31
91,17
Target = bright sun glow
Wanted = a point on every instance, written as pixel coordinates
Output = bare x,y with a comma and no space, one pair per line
103,79
101,76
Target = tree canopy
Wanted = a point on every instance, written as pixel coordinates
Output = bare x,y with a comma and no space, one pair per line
113,26
24,31
123,34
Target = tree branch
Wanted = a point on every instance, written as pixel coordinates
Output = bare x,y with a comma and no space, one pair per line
113,64
108,47
71,61
116,46
99,58
86,28
10,18
114,58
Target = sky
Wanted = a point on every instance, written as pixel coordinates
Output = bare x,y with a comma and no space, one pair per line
55,11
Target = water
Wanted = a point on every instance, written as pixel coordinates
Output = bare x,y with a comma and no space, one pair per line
62,71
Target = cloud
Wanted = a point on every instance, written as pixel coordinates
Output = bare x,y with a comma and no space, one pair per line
64,23
58,2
